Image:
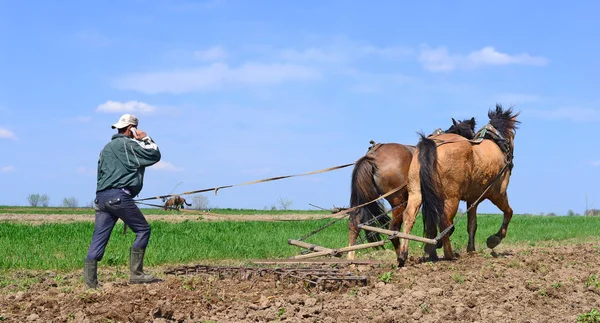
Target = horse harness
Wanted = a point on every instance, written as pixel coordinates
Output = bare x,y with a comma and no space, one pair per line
374,146
486,132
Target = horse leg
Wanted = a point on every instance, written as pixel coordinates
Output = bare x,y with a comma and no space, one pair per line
502,203
396,223
353,232
471,225
397,214
450,208
408,217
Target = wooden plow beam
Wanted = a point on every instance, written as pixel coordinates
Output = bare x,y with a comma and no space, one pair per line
323,251
397,234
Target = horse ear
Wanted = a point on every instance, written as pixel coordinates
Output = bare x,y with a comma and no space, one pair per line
472,122
454,122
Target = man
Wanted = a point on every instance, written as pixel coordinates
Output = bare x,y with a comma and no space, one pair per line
121,169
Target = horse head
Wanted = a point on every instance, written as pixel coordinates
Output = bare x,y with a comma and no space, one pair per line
465,128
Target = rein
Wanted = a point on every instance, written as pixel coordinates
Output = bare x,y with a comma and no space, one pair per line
216,189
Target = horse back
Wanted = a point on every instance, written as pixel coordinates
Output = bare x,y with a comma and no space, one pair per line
393,161
465,167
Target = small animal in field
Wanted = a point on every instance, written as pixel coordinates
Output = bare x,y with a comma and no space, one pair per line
176,202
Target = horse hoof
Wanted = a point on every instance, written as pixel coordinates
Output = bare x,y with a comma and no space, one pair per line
493,241
439,244
401,263
429,248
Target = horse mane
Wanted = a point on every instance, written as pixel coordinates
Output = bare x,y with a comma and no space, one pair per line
464,128
505,122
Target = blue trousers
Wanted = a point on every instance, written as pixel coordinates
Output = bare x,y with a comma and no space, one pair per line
112,205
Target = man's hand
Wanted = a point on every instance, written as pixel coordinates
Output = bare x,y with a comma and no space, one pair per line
139,134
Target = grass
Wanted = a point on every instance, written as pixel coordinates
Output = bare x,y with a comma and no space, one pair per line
593,316
62,246
153,211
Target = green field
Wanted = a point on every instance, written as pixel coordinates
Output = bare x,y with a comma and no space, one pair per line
62,246
66,210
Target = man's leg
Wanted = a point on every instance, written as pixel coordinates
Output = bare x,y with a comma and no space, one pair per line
133,218
102,229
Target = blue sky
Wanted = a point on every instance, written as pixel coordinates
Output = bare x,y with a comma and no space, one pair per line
235,91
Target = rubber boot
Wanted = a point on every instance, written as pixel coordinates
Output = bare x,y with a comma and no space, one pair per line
90,273
136,267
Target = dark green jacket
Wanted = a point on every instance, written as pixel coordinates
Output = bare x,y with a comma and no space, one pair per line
123,161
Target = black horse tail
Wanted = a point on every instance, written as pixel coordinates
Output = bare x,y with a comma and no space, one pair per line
363,190
432,198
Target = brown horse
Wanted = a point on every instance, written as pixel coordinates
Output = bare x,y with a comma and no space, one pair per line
176,202
447,169
383,169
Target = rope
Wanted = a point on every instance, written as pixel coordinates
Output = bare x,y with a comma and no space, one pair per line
216,189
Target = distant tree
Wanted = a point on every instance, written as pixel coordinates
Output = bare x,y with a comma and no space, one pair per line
284,203
38,200
199,202
70,202
45,200
33,199
571,213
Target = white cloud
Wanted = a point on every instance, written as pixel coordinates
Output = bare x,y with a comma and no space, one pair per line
437,60
571,113
125,107
440,60
7,134
272,66
166,166
489,56
214,53
215,77
312,54
341,52
7,169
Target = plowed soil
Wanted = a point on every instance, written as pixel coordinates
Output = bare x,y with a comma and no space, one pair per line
552,283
